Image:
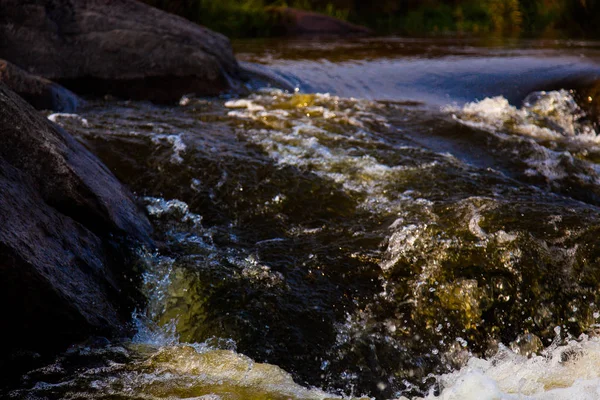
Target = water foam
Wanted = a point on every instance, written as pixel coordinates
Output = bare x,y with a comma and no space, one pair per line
553,135
56,118
177,144
551,115
337,138
561,372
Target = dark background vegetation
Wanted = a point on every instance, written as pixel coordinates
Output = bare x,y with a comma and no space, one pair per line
508,18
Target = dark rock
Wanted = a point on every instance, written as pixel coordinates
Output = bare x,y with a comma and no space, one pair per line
295,22
65,224
39,92
119,47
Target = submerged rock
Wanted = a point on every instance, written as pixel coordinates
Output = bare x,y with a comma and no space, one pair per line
39,92
120,47
295,22
65,226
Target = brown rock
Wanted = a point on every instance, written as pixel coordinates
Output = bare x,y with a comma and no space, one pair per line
39,92
295,22
119,47
65,225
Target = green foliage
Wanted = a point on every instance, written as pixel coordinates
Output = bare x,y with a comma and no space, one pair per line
548,18
235,18
428,19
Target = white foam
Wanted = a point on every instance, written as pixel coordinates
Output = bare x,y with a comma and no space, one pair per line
243,103
566,372
159,207
177,144
548,164
551,115
330,136
56,117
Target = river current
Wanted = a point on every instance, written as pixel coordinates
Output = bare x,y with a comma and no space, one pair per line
377,218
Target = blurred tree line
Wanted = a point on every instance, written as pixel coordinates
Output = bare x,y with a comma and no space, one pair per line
546,18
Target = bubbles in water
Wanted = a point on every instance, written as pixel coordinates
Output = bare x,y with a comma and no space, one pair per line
176,142
544,115
327,135
569,371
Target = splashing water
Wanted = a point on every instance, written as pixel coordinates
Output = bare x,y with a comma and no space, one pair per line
568,371
544,116
366,247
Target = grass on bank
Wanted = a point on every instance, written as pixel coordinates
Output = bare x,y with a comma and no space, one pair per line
545,18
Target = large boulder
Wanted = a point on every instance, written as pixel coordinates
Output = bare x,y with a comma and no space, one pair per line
119,47
39,92
295,22
65,224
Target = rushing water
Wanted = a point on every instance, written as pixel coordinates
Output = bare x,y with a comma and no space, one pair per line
409,218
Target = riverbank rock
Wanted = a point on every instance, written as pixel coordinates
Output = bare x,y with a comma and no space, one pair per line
119,47
65,225
295,22
37,91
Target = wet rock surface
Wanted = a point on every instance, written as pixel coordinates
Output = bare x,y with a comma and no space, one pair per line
65,226
124,48
39,92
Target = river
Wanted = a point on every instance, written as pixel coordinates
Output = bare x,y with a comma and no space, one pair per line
376,218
